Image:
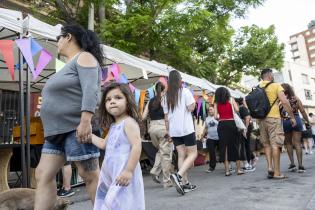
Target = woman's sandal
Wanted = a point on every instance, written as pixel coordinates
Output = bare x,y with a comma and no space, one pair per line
240,173
228,174
280,177
270,174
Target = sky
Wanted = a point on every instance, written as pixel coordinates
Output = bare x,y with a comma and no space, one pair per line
288,16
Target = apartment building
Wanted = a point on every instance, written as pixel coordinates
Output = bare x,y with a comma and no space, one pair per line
302,46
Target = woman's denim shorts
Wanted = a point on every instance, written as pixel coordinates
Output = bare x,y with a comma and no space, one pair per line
287,126
66,145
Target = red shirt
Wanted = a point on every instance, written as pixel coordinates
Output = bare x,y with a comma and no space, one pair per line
225,111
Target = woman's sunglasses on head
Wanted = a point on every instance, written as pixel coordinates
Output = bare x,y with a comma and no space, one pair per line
61,35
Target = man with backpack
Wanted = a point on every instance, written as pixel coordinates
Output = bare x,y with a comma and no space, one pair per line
263,104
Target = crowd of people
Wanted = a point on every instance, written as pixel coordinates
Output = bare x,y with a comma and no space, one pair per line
70,100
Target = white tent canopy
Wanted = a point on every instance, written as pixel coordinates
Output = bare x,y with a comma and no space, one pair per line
134,68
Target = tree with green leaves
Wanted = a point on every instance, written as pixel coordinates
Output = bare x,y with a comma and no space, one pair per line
193,36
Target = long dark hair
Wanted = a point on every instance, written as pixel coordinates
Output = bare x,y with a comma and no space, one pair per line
173,89
86,39
288,90
222,95
156,102
132,110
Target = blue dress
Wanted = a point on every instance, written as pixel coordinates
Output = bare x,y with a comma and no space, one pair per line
109,196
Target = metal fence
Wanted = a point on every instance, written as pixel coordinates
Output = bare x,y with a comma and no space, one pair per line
9,115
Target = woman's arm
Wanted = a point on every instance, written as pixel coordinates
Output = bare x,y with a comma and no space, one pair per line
99,142
191,107
234,104
132,131
302,110
146,111
216,114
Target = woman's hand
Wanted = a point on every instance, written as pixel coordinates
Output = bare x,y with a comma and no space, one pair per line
84,132
124,178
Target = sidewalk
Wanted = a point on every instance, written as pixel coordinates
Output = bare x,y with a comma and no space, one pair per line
215,191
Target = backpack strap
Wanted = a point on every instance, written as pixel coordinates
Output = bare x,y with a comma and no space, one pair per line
274,100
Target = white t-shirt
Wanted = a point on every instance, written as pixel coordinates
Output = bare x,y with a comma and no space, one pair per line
180,119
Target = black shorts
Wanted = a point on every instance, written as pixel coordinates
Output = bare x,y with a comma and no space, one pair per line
188,140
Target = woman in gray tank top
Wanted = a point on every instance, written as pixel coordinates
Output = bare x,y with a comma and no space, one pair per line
70,98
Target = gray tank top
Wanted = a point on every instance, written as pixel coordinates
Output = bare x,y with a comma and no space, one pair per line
66,94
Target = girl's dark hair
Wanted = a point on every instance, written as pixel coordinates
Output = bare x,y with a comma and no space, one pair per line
173,89
239,101
131,108
288,90
86,39
156,103
222,95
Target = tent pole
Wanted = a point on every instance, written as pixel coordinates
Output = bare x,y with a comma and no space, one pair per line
23,166
28,122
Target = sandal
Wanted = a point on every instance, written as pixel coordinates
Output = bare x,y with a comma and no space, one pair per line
280,177
240,173
228,174
270,174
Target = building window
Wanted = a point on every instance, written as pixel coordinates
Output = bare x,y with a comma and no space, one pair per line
295,54
290,75
305,79
294,46
308,94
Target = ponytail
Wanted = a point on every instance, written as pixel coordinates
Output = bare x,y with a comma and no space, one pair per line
86,39
156,103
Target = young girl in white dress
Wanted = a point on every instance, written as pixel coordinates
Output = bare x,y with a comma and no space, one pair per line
120,185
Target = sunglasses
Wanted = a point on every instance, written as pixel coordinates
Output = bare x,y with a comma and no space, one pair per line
61,35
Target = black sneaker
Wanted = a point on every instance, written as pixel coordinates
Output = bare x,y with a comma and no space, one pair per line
301,169
292,168
210,170
177,181
189,187
65,193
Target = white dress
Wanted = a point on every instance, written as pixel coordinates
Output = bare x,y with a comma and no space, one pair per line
109,196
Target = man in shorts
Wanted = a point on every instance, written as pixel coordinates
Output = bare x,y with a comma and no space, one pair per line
271,131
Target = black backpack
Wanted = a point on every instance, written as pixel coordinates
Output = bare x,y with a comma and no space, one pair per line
258,102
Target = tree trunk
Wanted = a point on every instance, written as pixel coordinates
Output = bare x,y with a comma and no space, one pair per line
91,17
101,13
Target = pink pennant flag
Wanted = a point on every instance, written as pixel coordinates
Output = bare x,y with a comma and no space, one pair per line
6,47
25,47
44,58
163,80
199,106
132,88
115,71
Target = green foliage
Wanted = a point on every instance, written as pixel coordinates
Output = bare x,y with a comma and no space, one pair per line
193,36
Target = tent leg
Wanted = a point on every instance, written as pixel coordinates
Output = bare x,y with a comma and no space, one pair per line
28,122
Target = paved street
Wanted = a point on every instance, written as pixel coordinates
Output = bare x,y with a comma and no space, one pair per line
215,191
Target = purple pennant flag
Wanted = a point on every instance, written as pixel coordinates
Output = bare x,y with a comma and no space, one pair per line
199,106
123,79
137,96
132,88
115,71
104,73
25,47
35,47
44,58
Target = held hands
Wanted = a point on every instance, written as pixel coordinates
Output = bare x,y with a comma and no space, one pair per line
293,122
124,178
84,132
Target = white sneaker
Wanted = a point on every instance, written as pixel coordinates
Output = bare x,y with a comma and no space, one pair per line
311,152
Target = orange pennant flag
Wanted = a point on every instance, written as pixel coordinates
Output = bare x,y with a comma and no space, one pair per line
204,95
6,47
142,97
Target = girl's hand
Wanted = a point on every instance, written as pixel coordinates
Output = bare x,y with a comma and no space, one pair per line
124,178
